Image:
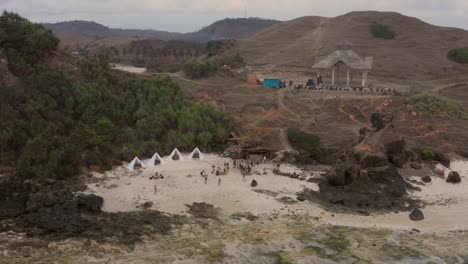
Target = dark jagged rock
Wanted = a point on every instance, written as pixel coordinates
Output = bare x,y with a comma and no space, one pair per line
453,177
254,183
426,179
442,158
366,174
377,187
379,120
12,206
343,174
416,215
59,211
147,205
367,158
396,151
51,210
89,203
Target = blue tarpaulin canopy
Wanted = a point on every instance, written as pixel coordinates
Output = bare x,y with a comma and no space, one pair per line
272,82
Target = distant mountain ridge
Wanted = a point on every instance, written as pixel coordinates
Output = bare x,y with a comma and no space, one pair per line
229,28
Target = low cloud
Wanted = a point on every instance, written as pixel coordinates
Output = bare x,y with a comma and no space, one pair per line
190,15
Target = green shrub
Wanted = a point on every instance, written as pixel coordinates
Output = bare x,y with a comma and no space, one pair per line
434,105
198,68
234,61
303,141
214,47
459,55
382,31
427,155
285,258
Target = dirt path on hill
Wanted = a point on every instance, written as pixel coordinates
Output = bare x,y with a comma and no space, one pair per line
283,134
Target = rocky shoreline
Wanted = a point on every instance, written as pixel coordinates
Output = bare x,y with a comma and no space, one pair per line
55,210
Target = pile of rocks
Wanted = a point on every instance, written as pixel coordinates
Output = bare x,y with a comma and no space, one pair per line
366,175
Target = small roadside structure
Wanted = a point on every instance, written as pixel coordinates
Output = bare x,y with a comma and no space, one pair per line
345,55
252,79
196,154
135,164
175,155
272,82
155,160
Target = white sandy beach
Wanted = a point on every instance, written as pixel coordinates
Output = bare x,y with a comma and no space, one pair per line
125,191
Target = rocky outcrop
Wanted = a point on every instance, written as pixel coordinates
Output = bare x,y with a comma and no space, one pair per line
352,186
379,120
60,210
6,77
11,207
442,158
453,177
366,175
51,209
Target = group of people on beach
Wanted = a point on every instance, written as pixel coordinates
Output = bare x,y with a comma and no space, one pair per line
218,171
244,166
157,176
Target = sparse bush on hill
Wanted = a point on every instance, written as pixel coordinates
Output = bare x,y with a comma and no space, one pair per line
214,47
437,106
459,55
197,68
301,140
427,155
382,31
234,61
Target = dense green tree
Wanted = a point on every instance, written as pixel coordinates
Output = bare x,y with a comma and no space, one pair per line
459,55
53,122
25,43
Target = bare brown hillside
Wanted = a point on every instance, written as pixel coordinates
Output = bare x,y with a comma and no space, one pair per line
418,51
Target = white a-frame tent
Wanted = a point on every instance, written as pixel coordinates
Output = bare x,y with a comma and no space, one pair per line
154,160
175,153
196,154
136,160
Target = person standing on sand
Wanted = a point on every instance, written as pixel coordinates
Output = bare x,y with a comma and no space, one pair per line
206,179
219,181
155,189
243,177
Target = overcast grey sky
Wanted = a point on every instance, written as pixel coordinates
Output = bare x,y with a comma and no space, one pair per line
191,15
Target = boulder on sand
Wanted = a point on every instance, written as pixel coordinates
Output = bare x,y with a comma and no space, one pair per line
416,215
89,203
426,179
453,177
254,183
